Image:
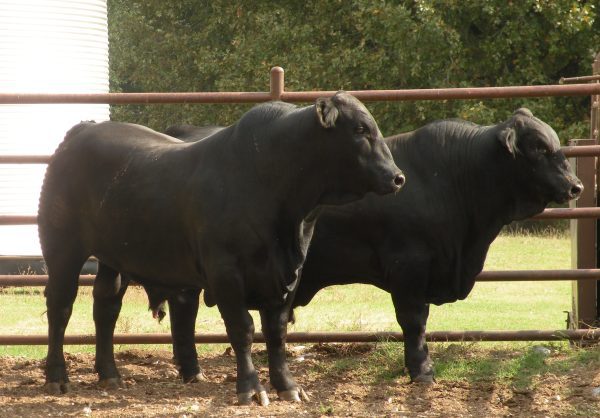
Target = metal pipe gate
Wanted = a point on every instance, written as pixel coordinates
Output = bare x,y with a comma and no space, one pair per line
585,273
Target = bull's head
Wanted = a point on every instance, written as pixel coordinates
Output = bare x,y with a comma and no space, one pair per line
543,173
355,137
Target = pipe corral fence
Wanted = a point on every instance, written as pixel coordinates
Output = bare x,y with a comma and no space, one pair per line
583,213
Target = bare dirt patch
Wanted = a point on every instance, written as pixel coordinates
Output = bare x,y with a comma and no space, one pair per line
154,390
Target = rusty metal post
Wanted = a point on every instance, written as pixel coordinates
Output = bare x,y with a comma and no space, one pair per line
595,136
585,231
277,83
595,115
583,242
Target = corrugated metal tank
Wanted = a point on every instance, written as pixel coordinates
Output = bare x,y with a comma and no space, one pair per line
46,46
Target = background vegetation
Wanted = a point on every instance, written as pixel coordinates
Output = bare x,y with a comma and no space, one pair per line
224,45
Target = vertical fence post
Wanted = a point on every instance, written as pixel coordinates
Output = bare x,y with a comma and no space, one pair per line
595,115
583,242
584,232
277,83
595,136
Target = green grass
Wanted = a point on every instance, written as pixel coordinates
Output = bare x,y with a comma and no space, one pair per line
502,305
517,364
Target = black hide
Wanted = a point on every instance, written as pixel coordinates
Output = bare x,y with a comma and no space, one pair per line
232,215
426,244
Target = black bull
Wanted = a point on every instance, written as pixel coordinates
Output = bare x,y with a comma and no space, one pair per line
232,215
426,244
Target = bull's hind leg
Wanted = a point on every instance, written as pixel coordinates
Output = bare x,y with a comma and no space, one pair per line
274,327
183,309
109,288
61,290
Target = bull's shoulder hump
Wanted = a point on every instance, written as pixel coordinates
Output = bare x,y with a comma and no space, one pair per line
441,131
434,128
444,125
266,113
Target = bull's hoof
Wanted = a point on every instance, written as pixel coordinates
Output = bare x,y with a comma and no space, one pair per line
112,383
294,395
200,377
57,388
246,398
425,378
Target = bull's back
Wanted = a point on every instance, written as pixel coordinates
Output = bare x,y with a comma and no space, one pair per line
89,161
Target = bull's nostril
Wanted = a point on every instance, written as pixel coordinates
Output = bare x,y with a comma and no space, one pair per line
576,190
399,180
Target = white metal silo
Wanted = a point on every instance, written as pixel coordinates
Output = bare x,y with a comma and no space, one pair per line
46,46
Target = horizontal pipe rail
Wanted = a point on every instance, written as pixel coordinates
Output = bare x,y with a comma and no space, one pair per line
24,159
570,151
18,219
37,280
467,93
134,98
581,79
581,150
568,213
32,280
327,337
556,213
538,275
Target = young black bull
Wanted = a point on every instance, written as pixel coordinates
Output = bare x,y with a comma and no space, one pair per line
232,215
426,244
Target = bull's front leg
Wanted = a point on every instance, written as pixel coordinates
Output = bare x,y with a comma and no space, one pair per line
109,288
240,331
183,309
412,318
274,327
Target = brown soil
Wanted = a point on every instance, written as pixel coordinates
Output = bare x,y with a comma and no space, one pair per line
153,390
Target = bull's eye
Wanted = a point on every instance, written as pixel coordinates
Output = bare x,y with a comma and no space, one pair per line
360,129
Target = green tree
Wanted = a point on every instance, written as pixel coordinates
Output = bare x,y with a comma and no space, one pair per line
196,45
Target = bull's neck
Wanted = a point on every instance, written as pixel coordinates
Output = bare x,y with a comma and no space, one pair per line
496,186
286,163
479,169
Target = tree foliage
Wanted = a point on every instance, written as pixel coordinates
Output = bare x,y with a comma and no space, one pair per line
219,45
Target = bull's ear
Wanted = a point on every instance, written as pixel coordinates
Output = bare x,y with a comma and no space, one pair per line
523,111
508,139
327,112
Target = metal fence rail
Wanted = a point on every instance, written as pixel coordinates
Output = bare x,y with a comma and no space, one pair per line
38,280
320,337
277,92
469,93
557,213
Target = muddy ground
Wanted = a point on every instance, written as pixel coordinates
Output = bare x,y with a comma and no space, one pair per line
153,390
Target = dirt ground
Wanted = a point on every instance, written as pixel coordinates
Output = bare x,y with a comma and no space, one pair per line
153,390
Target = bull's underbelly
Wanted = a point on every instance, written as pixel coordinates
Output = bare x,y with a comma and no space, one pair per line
168,264
169,275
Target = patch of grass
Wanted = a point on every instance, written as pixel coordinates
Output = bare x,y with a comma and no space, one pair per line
326,410
386,361
518,365
572,356
502,305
